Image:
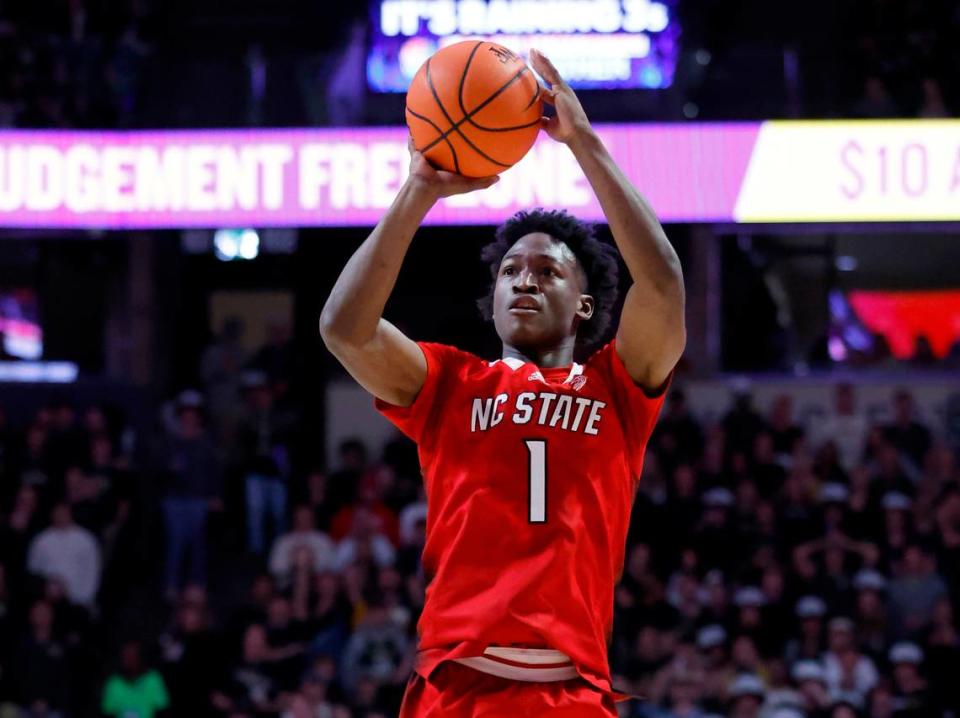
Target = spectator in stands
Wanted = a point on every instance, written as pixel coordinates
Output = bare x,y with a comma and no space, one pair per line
914,592
193,481
69,552
304,536
254,609
276,358
783,429
369,498
742,423
365,541
870,611
875,102
221,365
411,516
948,536
66,443
844,425
677,436
42,677
250,685
71,621
808,644
286,636
811,682
846,669
766,468
747,693
910,693
33,463
322,608
889,474
943,655
312,700
375,650
683,697
189,651
23,522
941,467
343,481
908,435
134,691
262,440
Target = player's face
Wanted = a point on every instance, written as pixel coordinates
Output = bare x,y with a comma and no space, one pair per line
539,298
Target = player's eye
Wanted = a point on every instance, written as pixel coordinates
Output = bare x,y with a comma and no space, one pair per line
509,271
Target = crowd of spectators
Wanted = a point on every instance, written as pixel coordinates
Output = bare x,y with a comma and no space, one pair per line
93,63
71,63
774,570
778,570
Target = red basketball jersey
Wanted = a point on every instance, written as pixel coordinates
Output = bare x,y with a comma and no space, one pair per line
530,477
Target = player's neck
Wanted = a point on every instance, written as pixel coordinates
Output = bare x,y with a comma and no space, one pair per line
560,355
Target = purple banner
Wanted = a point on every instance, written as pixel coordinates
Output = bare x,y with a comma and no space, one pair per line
337,177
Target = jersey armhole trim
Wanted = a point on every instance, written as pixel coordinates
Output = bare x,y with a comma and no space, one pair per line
660,390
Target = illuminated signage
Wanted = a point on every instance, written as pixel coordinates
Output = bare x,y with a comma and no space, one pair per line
853,171
739,172
594,43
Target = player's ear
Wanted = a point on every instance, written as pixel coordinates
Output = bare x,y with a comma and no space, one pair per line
585,309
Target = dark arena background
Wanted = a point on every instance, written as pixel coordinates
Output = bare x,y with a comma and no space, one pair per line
181,183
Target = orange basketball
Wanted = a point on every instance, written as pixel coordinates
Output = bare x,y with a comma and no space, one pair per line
474,108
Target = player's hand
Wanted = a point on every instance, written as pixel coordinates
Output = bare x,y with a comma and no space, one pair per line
440,182
569,120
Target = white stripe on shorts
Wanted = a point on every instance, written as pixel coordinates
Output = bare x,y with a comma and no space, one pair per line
535,660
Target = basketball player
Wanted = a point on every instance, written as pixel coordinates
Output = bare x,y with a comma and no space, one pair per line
530,461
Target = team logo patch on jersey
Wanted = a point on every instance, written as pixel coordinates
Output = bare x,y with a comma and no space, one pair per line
577,382
536,376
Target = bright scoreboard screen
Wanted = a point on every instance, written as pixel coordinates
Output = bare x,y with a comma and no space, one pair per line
596,44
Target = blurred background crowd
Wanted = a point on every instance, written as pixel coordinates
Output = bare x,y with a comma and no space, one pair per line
774,568
144,63
192,529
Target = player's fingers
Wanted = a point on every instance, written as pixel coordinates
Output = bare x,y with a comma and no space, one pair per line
548,125
548,95
466,184
480,183
410,146
546,69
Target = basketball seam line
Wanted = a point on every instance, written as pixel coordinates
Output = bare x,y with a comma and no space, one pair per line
468,116
453,124
434,125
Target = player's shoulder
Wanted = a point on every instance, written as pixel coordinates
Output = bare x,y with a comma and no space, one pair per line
447,357
602,357
607,363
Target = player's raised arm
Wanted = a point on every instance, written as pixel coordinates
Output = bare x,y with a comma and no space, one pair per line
652,334
384,361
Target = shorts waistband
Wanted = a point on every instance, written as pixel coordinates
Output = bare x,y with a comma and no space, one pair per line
522,664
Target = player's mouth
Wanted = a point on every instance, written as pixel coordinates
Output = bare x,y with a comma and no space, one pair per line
524,305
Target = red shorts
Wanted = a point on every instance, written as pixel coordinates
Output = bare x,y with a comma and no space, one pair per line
456,691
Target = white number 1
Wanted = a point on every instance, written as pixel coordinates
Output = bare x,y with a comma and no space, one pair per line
537,448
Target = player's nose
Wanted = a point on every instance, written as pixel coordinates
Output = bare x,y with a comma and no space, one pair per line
526,282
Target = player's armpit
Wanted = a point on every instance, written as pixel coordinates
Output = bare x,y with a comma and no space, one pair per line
390,365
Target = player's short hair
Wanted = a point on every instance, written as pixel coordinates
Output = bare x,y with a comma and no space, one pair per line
597,259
